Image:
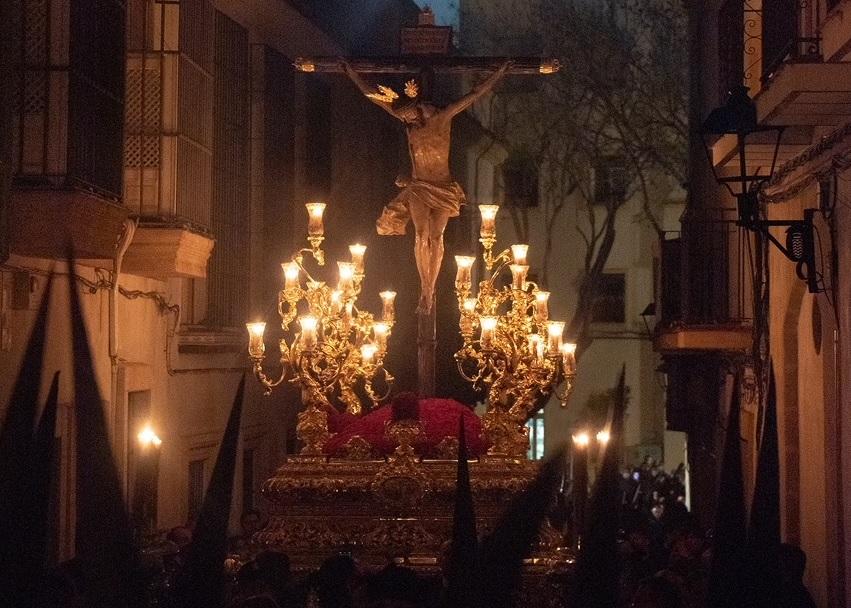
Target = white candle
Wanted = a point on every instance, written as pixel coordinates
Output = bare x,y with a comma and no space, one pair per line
519,252
388,313
518,276
256,347
314,219
308,323
541,306
568,358
488,325
463,278
357,250
488,228
336,302
347,273
380,331
554,331
291,272
367,352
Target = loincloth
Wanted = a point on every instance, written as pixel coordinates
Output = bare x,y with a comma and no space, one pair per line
442,197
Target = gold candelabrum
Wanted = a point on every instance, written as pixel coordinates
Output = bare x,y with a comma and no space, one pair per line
336,353
519,355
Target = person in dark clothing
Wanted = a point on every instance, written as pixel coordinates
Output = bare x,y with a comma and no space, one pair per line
793,592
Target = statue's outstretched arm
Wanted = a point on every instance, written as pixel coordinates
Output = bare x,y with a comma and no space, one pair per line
484,87
366,89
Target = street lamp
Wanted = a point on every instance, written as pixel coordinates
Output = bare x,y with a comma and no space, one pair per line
738,118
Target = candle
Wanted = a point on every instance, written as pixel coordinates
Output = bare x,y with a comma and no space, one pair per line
603,437
148,437
336,302
463,278
367,352
380,331
357,250
518,276
314,216
519,252
541,307
554,331
470,306
347,273
468,314
256,348
488,324
582,440
291,272
389,312
488,228
534,342
568,358
308,324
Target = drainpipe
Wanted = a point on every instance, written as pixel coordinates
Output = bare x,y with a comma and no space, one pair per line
124,241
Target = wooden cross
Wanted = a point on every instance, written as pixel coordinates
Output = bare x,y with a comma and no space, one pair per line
424,50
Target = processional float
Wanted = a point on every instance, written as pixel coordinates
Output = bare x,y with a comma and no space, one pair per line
380,479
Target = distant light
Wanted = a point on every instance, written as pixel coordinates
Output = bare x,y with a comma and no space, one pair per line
147,437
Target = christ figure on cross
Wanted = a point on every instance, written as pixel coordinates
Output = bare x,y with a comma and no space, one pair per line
430,196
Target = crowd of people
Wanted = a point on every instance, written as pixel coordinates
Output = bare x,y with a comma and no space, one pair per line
665,559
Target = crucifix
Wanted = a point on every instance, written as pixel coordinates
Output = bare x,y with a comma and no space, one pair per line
429,196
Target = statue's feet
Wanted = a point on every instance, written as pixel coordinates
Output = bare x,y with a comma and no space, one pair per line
425,304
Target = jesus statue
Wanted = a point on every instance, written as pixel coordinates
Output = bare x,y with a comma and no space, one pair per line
430,196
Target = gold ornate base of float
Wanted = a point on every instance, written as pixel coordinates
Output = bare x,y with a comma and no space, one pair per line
398,509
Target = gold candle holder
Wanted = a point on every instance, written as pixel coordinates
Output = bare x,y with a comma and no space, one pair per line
380,331
542,312
347,275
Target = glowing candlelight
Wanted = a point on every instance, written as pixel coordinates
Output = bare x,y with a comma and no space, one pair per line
347,273
603,437
518,276
308,323
534,342
314,215
519,252
256,348
582,440
380,331
367,352
488,228
336,302
554,331
568,358
463,278
470,306
291,272
147,437
488,325
357,250
541,306
388,313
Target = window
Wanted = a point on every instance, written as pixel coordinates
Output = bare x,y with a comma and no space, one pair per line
138,414
196,488
536,436
247,480
520,180
610,180
610,300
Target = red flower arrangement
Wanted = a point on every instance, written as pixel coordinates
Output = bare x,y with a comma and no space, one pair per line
438,418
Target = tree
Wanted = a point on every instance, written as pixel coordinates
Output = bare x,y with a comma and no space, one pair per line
609,128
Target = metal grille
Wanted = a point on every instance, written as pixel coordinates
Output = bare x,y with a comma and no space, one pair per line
196,23
142,109
195,103
194,182
35,32
230,208
34,100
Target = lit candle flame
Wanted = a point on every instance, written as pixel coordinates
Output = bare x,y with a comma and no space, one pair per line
147,437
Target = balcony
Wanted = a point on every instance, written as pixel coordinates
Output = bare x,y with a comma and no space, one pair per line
165,250
705,288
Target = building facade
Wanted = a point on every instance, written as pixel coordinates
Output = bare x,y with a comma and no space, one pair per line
557,199
172,146
734,303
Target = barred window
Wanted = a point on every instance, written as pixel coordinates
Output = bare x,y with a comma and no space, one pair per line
610,302
610,180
